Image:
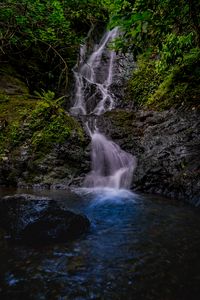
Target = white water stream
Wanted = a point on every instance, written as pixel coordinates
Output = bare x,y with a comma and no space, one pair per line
111,166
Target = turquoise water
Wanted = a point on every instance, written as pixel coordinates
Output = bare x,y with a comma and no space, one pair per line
138,247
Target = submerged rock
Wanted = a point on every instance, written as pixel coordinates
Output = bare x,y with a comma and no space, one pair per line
39,219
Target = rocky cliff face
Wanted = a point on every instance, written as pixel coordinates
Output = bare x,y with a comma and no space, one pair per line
63,166
167,146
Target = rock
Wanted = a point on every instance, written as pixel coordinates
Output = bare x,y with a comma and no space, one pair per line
63,166
55,225
39,219
10,85
167,146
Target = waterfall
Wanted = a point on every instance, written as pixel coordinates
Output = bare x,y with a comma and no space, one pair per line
111,166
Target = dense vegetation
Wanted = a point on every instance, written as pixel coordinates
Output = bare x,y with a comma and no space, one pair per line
164,37
39,44
45,36
37,124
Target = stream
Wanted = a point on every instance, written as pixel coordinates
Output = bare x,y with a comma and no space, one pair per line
138,247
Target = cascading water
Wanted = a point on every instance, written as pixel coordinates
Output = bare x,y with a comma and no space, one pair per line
94,77
111,166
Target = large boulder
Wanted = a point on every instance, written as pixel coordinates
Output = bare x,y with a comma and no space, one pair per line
39,219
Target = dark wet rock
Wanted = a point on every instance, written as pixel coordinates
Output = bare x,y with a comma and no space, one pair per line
167,146
55,225
17,211
39,219
65,165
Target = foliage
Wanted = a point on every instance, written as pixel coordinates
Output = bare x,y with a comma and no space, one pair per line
143,82
148,24
46,34
48,96
50,124
46,125
12,114
50,21
164,37
179,86
34,21
173,50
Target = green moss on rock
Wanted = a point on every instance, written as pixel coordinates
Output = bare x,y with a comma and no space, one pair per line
49,124
15,103
121,118
178,86
143,83
41,124
10,85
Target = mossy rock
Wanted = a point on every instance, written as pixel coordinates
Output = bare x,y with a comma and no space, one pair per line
42,122
143,83
121,118
181,87
13,109
11,85
178,86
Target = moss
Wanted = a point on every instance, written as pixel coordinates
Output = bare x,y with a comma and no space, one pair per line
178,86
143,83
41,124
13,107
121,118
49,124
40,137
14,96
12,114
11,85
4,98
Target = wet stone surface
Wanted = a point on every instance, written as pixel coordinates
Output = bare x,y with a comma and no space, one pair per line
166,145
36,219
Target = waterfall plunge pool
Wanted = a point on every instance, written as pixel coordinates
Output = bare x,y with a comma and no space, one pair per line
138,247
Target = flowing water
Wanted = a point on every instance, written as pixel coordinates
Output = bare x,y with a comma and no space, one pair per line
111,166
94,77
138,247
